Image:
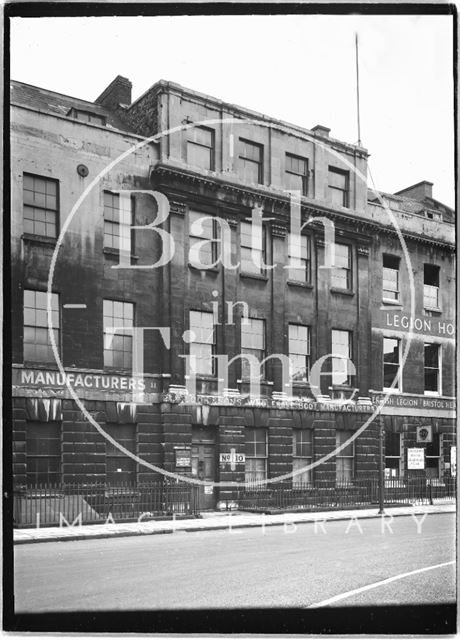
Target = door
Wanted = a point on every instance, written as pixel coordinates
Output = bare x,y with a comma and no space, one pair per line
204,466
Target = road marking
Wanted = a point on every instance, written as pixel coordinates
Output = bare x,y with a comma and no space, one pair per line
374,585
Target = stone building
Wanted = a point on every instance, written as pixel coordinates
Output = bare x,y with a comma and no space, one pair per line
210,257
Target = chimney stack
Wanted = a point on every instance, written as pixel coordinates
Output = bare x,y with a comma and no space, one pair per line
118,92
320,130
418,191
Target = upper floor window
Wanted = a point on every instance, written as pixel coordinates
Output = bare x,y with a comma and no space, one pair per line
252,342
390,278
432,368
338,186
341,346
299,352
256,455
37,344
302,452
391,361
118,222
87,116
344,460
202,343
251,161
296,174
430,286
303,273
40,205
205,230
43,453
252,258
341,276
200,147
118,344
393,466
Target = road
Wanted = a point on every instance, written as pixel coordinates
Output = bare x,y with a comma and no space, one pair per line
298,566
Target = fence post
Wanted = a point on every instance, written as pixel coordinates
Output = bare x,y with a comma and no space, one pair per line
381,468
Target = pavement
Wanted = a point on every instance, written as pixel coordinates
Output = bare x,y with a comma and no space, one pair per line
214,521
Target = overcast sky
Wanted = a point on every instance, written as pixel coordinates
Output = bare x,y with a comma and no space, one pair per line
297,68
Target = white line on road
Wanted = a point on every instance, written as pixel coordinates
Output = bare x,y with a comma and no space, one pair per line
374,585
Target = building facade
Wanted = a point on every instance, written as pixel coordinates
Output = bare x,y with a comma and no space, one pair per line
164,229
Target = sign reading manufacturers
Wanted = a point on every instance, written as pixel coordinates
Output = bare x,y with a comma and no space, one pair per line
425,325
416,458
41,379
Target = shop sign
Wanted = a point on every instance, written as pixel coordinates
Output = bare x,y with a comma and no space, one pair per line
414,402
453,462
420,325
416,458
183,457
43,379
424,434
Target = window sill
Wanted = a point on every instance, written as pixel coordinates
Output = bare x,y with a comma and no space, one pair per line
254,276
394,390
114,253
206,269
248,380
343,292
392,303
32,237
432,394
433,309
299,283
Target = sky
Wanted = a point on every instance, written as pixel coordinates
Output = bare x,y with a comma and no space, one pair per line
300,69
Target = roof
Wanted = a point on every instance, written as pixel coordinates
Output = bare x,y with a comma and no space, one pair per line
51,102
411,205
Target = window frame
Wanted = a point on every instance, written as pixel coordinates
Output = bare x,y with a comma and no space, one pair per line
101,120
214,234
436,440
303,176
253,455
348,270
398,386
213,346
211,148
396,291
252,351
56,312
29,207
307,356
52,477
349,381
342,456
398,458
116,223
305,260
253,270
345,191
429,287
243,159
438,369
298,459
127,337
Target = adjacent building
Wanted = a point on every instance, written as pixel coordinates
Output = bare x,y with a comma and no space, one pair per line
164,228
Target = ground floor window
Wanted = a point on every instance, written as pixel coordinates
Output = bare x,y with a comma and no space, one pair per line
393,467
120,468
302,451
43,453
344,460
433,457
256,455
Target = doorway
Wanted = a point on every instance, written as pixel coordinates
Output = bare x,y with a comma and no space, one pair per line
204,464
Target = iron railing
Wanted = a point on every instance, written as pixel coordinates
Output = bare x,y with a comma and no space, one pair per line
346,494
45,505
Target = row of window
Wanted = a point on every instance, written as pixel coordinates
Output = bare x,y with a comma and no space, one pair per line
391,282
43,451
118,345
44,446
